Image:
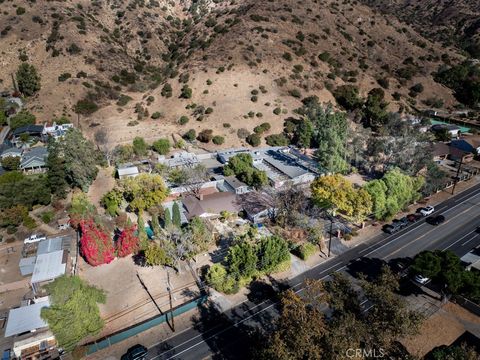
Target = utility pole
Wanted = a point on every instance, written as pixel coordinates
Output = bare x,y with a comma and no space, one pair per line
169,289
330,241
458,173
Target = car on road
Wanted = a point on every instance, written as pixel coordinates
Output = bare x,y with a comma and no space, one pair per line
136,352
427,210
421,279
414,217
34,238
392,228
436,220
402,222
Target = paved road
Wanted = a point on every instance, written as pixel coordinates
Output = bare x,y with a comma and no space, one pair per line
222,335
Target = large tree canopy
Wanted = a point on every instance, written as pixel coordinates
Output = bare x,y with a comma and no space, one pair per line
144,191
28,79
334,191
73,314
80,159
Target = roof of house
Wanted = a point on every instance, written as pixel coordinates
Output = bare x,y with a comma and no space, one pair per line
34,157
440,149
234,182
474,141
128,171
25,319
13,151
53,245
210,204
28,129
255,202
49,266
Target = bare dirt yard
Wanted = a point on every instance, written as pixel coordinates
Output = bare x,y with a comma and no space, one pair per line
136,293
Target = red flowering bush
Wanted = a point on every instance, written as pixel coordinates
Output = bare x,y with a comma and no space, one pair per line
95,244
127,242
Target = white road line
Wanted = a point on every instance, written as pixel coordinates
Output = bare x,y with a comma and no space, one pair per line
473,237
463,237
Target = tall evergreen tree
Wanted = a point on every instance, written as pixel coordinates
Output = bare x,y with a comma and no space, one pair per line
142,233
56,174
176,219
28,79
167,218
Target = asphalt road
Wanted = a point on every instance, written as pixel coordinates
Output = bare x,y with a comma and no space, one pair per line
224,335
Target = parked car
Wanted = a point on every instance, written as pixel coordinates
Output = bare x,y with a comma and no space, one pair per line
392,228
414,217
402,222
421,279
136,352
34,238
427,210
436,220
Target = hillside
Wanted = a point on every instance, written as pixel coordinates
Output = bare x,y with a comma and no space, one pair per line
240,63
454,23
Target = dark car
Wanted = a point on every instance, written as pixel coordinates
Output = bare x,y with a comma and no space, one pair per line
414,217
393,227
436,220
402,222
136,352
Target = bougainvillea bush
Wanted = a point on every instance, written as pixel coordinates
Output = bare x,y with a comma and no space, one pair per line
95,244
127,242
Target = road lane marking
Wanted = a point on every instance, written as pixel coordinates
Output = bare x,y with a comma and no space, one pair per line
473,237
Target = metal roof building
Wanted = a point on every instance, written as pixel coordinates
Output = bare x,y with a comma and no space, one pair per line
54,244
49,266
25,319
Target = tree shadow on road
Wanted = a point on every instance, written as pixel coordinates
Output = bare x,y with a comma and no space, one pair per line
371,268
227,337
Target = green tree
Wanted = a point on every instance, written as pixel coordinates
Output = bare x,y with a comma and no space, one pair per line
220,280
56,173
334,191
161,146
28,79
73,314
142,233
202,237
176,219
81,208
144,191
156,255
348,97
22,118
18,189
375,113
111,201
3,110
427,264
81,159
378,193
242,260
272,251
241,165
167,218
156,225
140,147
11,162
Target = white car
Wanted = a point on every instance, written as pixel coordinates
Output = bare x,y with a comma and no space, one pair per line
34,238
421,279
428,210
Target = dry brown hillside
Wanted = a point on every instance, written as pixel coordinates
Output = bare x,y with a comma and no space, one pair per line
452,22
242,61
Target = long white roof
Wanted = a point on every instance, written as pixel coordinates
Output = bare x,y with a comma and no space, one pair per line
25,319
